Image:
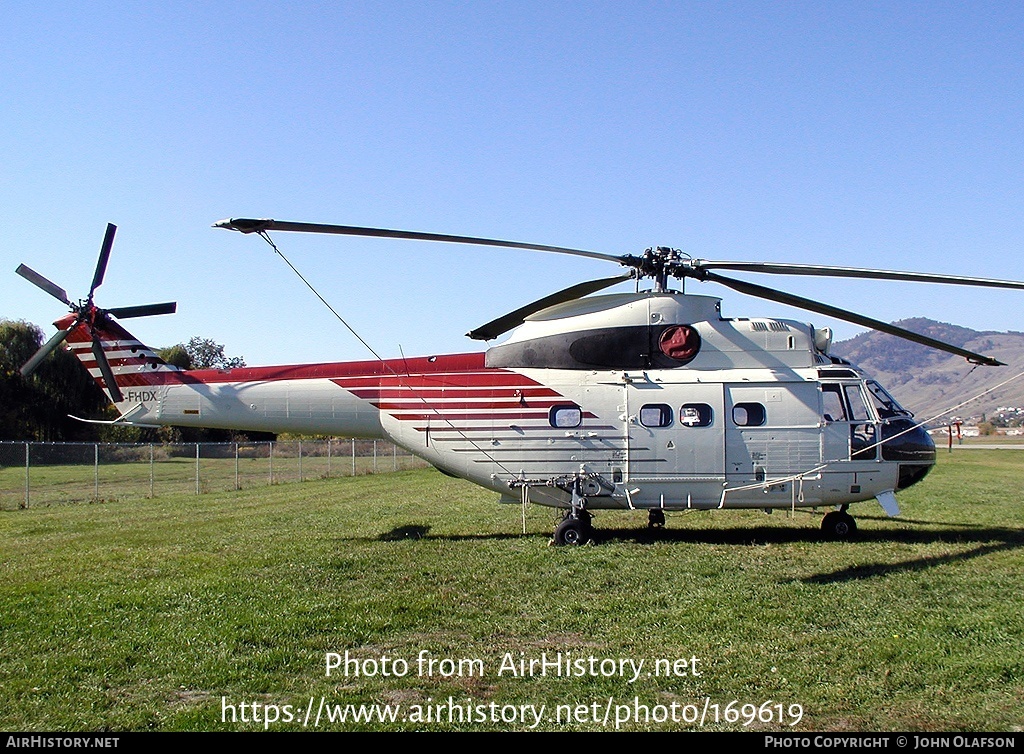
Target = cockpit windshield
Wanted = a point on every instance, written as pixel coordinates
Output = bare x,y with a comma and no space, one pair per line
885,404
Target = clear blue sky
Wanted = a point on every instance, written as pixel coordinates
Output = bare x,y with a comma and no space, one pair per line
846,133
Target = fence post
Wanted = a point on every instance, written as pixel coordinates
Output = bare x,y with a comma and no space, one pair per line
236,467
271,457
300,461
197,468
328,457
394,449
95,471
353,456
151,475
374,456
26,475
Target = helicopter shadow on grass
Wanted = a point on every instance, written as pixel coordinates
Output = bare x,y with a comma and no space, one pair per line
863,572
983,540
605,536
984,536
419,531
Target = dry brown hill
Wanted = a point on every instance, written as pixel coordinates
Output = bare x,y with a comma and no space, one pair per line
930,382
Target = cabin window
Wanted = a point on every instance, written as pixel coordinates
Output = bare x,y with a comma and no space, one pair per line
656,415
749,414
566,416
696,415
833,407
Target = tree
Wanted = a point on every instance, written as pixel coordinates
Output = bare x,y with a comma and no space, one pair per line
204,353
38,408
176,356
18,341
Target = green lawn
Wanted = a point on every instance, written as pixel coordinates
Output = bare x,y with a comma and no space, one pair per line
171,613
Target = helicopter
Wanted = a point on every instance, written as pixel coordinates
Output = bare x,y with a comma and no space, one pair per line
650,401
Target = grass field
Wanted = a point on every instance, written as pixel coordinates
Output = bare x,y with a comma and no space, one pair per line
183,612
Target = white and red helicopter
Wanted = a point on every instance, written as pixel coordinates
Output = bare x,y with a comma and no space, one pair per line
649,401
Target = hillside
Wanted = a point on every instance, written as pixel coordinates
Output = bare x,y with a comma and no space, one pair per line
930,382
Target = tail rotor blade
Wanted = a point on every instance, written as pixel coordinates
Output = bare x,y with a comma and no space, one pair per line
101,263
39,281
106,371
147,310
48,347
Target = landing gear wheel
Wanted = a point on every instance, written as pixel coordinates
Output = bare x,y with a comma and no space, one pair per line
573,531
838,525
655,518
575,528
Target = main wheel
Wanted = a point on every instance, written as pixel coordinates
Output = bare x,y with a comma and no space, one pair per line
838,525
572,531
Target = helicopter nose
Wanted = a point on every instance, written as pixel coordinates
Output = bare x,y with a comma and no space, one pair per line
908,443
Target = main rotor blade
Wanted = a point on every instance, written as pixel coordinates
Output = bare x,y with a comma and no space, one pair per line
858,319
106,371
246,225
503,324
47,348
146,310
38,280
776,268
101,263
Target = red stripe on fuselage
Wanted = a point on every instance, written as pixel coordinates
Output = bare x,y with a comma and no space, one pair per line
445,417
451,391
379,372
432,371
445,406
498,378
515,430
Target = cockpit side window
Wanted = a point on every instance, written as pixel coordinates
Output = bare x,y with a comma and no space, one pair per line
885,404
855,400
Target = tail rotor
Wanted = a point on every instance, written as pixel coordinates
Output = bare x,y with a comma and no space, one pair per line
88,314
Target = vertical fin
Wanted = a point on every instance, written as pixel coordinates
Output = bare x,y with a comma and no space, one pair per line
115,358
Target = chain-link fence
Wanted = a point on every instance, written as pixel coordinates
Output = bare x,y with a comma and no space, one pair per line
39,474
